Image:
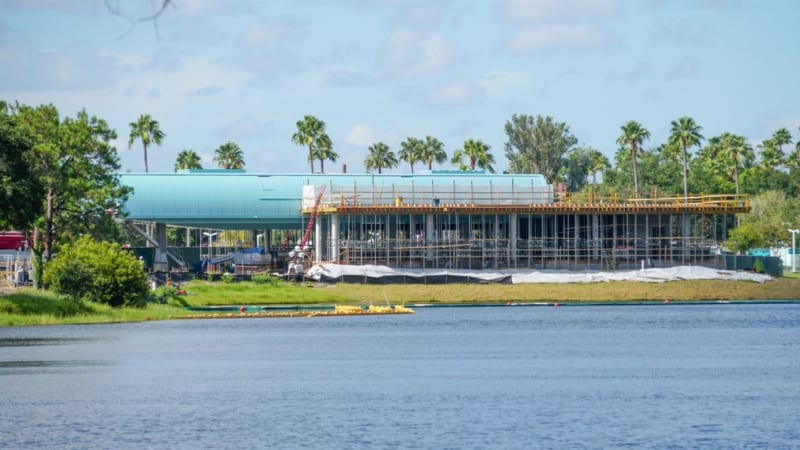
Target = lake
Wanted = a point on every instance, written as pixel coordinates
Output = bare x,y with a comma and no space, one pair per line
709,376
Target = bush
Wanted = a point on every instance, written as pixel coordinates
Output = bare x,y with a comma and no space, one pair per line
97,271
758,266
226,277
264,279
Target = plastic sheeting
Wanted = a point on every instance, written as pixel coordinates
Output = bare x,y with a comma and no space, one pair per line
332,273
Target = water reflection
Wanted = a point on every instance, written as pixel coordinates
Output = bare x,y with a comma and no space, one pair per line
35,342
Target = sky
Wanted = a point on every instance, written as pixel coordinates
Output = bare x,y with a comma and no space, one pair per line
213,71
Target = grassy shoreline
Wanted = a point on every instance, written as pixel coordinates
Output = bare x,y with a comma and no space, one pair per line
29,307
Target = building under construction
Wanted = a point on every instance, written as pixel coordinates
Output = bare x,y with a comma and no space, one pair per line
442,220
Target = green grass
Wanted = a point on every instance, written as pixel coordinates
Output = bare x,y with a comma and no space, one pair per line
30,307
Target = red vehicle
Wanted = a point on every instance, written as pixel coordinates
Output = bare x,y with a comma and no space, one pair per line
12,240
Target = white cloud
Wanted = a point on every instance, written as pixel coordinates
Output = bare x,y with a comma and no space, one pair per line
498,82
414,53
686,67
361,136
526,11
531,40
348,76
451,93
70,69
270,32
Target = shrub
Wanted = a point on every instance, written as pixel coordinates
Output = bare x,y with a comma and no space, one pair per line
758,266
97,271
226,277
260,279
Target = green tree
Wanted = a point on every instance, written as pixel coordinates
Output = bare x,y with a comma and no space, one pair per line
477,155
780,138
98,271
75,162
147,131
771,156
576,168
598,163
187,160
537,145
380,157
20,190
411,151
311,133
324,152
229,156
738,152
432,150
634,135
685,133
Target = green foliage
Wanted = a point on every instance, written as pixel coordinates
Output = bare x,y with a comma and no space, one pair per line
168,295
379,157
537,145
111,275
311,133
745,237
758,266
26,301
21,192
576,168
188,159
75,162
411,151
227,277
147,130
265,279
229,156
477,155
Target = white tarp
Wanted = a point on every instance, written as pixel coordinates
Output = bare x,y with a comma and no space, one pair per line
338,271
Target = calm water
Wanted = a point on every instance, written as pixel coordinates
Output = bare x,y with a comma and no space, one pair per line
503,377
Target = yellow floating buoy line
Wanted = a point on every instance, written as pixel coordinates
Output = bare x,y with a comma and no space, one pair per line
338,310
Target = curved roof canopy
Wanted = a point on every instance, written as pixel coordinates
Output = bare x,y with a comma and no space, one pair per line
238,200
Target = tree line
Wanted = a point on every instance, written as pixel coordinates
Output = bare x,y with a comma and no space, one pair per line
59,174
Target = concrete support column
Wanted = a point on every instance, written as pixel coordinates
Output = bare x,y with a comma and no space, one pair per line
333,240
512,239
318,240
160,263
596,243
430,234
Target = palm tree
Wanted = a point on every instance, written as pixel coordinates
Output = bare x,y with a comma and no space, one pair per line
780,138
686,133
793,160
146,130
380,157
229,156
771,155
477,153
432,150
411,151
323,151
311,133
633,134
597,163
739,151
188,159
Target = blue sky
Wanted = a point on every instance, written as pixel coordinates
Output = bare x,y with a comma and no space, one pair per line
211,71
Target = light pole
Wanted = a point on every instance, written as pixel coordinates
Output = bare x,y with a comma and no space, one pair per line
794,249
210,235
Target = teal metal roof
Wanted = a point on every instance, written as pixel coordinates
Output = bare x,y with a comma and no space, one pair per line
237,200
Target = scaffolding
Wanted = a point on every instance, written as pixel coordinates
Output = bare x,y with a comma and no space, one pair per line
504,227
